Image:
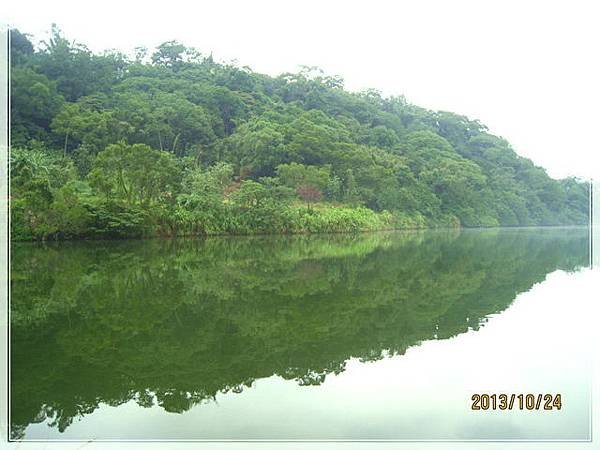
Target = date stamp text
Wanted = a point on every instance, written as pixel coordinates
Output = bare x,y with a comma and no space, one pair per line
508,402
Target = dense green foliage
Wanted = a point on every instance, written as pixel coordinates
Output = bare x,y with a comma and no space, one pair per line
175,322
175,143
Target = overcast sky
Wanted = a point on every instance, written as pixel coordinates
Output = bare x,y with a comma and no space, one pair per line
527,69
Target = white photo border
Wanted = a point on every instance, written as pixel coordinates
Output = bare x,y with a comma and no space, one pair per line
5,443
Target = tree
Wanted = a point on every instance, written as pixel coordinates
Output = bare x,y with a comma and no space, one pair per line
34,102
313,138
350,189
249,194
205,189
36,177
334,188
75,69
85,123
295,175
136,174
308,193
163,120
169,54
21,48
256,147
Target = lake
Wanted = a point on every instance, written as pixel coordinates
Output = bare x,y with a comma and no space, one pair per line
373,336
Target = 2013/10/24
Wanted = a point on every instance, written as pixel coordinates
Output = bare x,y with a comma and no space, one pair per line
531,402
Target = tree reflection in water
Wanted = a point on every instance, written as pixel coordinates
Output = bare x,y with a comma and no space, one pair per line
174,322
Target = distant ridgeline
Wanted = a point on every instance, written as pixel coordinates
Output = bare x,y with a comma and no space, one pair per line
174,143
175,322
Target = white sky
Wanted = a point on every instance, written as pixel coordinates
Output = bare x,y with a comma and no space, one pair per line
527,69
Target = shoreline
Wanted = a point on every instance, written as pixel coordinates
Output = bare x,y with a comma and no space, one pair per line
300,233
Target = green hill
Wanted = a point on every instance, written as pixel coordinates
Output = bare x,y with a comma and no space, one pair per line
174,143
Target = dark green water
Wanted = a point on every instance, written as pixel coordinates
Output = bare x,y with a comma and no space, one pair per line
282,337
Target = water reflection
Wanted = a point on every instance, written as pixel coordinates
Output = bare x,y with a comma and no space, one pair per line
173,323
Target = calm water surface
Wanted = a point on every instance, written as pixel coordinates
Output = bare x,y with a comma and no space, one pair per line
377,336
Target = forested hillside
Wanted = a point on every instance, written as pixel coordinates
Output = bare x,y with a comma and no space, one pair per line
172,142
